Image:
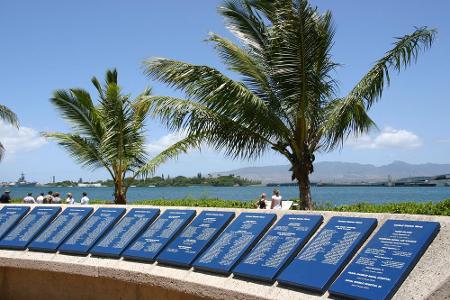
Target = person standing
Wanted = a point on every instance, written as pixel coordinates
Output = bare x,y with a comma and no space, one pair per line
40,199
84,199
276,200
29,199
5,198
56,198
70,200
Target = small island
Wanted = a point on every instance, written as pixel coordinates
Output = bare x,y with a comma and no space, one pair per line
166,181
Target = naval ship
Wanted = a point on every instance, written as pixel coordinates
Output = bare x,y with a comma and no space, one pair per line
22,182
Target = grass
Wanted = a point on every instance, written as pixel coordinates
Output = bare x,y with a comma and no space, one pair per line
423,208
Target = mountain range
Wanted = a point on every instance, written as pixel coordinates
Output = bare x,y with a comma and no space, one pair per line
343,172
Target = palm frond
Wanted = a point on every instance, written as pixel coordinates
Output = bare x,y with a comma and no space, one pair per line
123,141
98,87
219,93
8,116
141,106
172,152
111,77
219,130
344,117
406,50
238,59
77,108
247,26
2,151
349,115
85,151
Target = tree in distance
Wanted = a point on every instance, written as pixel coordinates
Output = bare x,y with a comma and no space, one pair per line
9,117
286,99
111,134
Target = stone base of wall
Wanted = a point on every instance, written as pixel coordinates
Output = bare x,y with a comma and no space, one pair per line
20,284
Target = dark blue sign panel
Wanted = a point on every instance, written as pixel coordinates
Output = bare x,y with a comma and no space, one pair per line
50,239
318,264
21,235
10,216
278,247
90,231
380,268
234,242
158,235
195,238
124,232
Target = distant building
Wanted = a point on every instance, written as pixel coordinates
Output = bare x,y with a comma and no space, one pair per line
89,185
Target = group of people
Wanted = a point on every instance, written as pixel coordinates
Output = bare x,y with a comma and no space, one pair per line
276,203
50,198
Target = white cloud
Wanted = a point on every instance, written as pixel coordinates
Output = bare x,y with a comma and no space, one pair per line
24,139
162,143
388,138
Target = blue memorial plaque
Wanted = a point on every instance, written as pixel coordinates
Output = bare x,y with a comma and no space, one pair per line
148,245
91,230
318,264
30,226
278,247
184,249
124,232
234,242
380,268
10,216
53,236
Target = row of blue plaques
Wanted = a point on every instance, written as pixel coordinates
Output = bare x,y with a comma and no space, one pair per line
155,238
183,250
29,227
385,262
210,243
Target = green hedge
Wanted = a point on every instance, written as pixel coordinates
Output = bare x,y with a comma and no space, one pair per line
419,208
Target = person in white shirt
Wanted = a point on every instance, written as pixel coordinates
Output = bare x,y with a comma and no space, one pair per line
70,200
84,199
276,200
40,199
29,199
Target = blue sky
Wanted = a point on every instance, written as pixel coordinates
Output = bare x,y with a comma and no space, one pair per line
48,45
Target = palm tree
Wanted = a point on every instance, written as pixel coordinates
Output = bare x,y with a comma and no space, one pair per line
9,117
110,135
286,100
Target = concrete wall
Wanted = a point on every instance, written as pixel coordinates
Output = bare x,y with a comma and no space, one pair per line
21,284
34,275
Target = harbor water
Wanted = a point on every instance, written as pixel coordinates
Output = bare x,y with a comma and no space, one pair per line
335,195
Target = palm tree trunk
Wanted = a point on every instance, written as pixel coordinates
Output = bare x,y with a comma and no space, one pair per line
304,187
305,194
119,194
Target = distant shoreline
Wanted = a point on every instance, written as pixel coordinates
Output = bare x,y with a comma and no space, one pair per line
315,184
